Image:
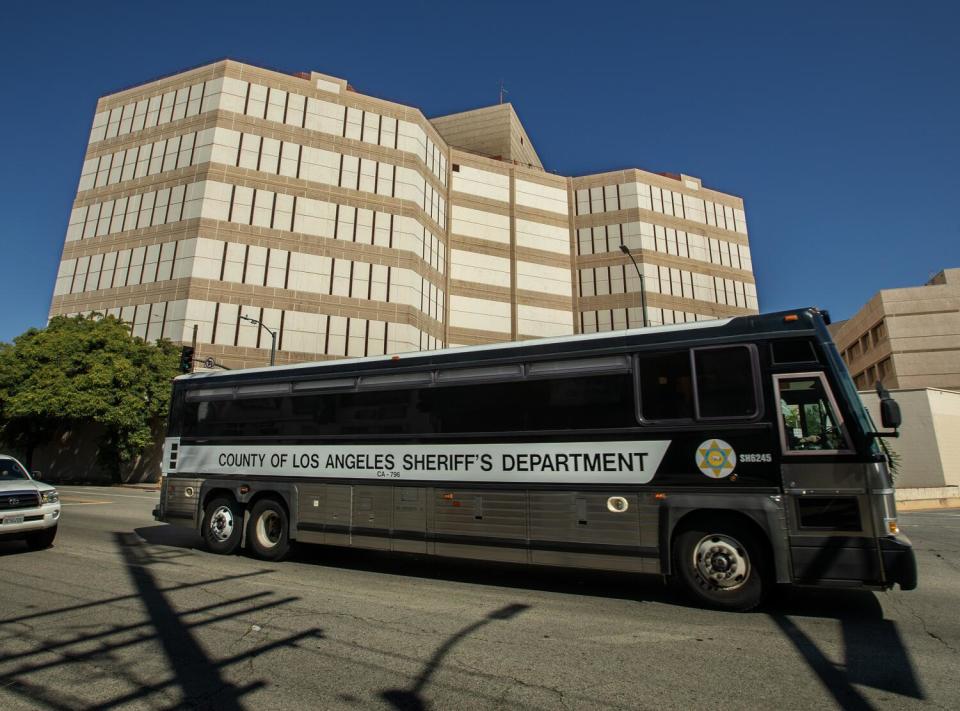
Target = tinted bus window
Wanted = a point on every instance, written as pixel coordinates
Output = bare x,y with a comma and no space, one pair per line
234,418
725,382
591,402
793,351
585,402
666,391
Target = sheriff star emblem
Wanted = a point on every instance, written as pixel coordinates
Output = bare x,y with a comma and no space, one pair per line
716,458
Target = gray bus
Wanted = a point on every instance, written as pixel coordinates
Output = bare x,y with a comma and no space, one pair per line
728,456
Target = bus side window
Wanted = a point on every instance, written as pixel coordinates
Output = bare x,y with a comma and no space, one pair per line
809,420
725,385
666,386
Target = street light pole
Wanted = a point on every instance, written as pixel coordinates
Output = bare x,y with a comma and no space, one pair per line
643,292
273,337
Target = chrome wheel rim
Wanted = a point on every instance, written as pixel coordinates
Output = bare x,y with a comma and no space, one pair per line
722,561
222,523
269,529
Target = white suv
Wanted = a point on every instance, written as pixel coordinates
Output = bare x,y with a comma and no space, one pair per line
29,509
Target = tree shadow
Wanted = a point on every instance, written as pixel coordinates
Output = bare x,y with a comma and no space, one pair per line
193,676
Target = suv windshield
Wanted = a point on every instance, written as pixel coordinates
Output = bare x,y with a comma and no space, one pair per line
11,470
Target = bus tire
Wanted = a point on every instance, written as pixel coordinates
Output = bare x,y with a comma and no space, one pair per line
222,526
722,565
268,530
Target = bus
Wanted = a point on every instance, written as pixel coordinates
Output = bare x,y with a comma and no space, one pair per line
728,456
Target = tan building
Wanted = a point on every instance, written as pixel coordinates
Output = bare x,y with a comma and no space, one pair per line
690,244
354,226
907,338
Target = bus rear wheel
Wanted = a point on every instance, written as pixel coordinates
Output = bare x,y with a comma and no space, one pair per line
222,525
722,566
268,530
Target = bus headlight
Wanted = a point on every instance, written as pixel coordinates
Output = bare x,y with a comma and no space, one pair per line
49,497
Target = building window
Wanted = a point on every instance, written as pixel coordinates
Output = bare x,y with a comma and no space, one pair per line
878,333
884,369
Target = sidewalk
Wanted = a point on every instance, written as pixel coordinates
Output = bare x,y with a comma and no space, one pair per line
928,498
155,486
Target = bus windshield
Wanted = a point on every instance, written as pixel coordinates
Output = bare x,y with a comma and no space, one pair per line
850,394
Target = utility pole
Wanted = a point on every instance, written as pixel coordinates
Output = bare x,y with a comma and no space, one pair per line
273,337
643,291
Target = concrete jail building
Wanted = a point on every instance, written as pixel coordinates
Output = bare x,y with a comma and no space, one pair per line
355,226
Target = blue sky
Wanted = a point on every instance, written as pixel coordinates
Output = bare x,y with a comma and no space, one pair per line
836,122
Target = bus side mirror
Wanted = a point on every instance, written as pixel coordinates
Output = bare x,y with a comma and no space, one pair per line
889,409
890,413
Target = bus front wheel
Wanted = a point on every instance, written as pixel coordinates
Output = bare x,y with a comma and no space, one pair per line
222,525
268,530
721,565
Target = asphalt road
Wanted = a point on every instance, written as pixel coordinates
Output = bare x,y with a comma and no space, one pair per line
127,613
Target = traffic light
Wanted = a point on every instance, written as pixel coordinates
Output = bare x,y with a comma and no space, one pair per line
186,359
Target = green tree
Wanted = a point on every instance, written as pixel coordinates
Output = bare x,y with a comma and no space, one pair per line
85,369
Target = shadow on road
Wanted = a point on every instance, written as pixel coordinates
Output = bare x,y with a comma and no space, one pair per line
186,676
411,699
173,536
874,653
12,546
596,583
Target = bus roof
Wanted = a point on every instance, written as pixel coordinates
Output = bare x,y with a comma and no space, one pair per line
773,325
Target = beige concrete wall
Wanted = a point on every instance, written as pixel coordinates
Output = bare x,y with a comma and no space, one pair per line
929,442
945,407
510,265
492,131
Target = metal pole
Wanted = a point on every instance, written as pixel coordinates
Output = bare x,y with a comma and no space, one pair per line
643,291
193,345
273,337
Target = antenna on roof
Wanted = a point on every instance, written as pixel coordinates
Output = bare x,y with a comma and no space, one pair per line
502,91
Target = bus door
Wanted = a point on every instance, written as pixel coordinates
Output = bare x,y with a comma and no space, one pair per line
830,528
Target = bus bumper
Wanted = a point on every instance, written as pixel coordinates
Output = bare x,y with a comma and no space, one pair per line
899,561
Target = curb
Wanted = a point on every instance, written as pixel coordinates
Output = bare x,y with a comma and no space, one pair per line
928,504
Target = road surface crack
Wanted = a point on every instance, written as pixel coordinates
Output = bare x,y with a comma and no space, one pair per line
898,602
